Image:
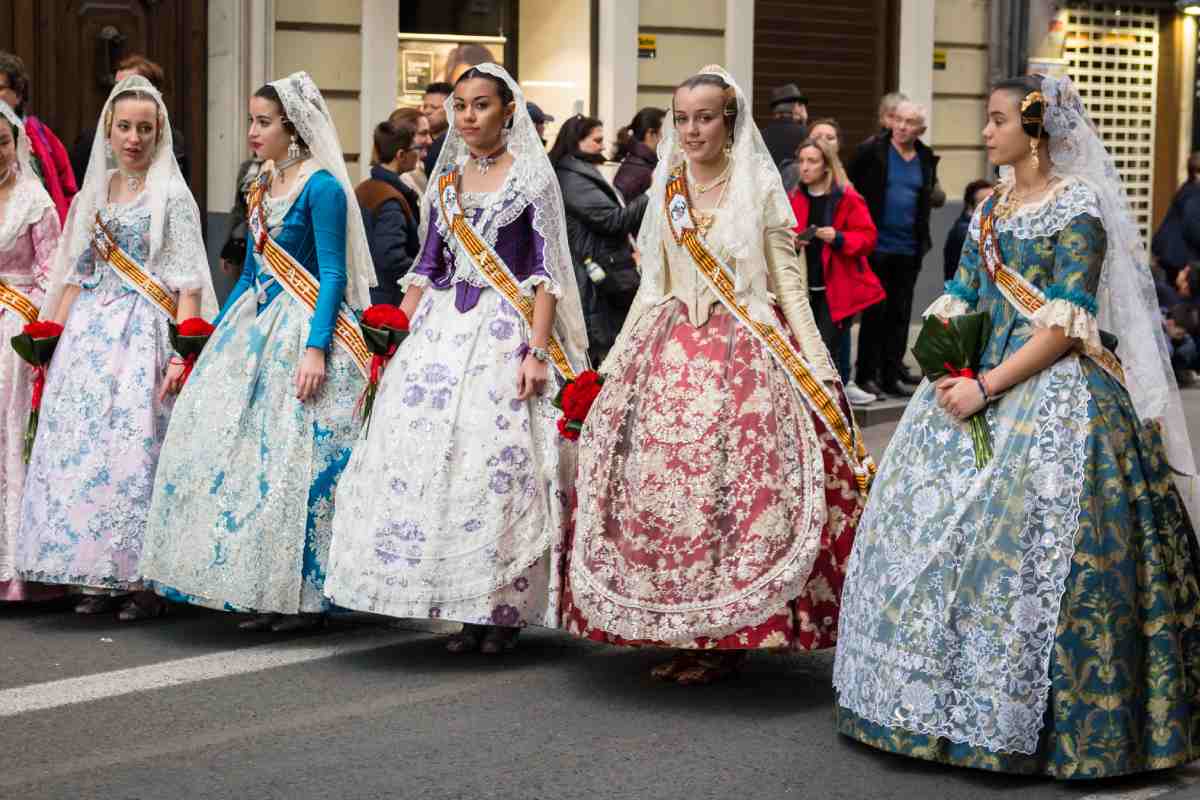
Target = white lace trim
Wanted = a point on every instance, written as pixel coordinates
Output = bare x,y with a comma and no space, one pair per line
414,279
1075,321
947,306
966,662
529,286
1047,217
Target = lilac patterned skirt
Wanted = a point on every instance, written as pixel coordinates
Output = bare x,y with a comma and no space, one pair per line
452,504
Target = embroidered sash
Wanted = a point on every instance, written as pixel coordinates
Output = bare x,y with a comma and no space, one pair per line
719,277
1026,298
492,266
18,303
104,244
298,281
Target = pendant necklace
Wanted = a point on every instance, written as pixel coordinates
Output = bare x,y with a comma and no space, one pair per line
133,180
484,163
283,165
705,188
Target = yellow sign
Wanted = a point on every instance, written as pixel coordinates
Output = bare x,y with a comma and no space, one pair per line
939,59
647,45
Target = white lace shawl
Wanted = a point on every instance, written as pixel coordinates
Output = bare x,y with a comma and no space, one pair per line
181,253
28,202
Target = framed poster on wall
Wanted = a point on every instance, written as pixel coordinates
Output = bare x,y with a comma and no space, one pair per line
427,58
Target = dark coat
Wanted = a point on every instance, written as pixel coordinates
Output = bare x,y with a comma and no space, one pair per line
782,137
390,212
1177,241
599,227
435,149
955,240
868,172
637,171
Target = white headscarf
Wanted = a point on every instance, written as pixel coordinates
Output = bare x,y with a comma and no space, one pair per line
29,200
1128,304
755,199
305,108
164,187
535,184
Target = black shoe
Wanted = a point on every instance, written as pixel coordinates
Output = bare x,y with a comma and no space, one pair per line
871,387
908,377
896,389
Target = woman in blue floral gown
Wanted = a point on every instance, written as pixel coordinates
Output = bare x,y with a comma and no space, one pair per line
1038,615
243,505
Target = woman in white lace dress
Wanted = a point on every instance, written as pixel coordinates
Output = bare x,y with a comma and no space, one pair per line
452,506
29,232
131,261
1038,615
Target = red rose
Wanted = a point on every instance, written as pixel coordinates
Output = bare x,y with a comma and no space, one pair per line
565,429
577,399
195,326
43,329
385,315
588,378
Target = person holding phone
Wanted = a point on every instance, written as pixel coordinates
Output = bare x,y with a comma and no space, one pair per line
834,236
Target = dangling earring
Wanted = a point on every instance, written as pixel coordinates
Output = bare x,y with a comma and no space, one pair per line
293,148
729,146
1033,152
108,149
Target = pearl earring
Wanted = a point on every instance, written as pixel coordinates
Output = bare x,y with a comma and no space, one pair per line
293,148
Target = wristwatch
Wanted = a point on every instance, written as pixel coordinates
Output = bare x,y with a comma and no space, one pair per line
540,353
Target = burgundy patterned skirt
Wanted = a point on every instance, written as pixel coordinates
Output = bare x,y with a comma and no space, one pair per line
714,510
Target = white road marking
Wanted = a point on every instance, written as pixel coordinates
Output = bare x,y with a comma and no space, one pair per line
1172,781
101,686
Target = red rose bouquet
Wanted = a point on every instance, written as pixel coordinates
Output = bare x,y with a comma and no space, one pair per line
575,401
188,338
35,344
384,327
953,347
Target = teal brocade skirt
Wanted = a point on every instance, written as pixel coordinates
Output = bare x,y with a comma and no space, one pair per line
1125,666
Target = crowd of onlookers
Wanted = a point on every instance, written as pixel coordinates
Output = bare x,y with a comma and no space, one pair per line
1176,251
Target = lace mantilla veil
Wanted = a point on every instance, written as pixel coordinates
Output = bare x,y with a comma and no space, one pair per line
305,107
536,184
1128,304
29,200
164,186
755,197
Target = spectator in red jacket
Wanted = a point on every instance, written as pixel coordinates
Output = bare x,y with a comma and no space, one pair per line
835,234
50,160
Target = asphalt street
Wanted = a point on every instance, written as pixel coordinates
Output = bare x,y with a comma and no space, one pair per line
187,706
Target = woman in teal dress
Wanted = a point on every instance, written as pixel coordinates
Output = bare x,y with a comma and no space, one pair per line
243,499
1038,615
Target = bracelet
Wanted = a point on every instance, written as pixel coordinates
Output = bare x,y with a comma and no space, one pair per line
987,396
177,360
540,353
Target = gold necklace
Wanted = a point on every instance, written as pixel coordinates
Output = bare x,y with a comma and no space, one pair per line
1011,202
705,188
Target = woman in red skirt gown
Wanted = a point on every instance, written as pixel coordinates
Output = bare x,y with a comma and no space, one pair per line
721,475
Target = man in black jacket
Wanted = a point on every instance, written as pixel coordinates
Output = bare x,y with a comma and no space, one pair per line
599,228
897,174
391,211
1176,243
433,106
787,128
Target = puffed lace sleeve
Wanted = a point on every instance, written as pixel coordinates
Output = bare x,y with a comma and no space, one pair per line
1071,301
961,293
183,263
45,232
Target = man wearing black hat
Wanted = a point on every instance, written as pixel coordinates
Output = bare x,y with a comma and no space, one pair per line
539,118
787,128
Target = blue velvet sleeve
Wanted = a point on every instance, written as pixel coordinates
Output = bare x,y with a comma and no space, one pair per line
243,283
966,281
327,215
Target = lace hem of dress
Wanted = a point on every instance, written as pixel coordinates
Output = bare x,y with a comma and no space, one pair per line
1048,217
1075,321
947,306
